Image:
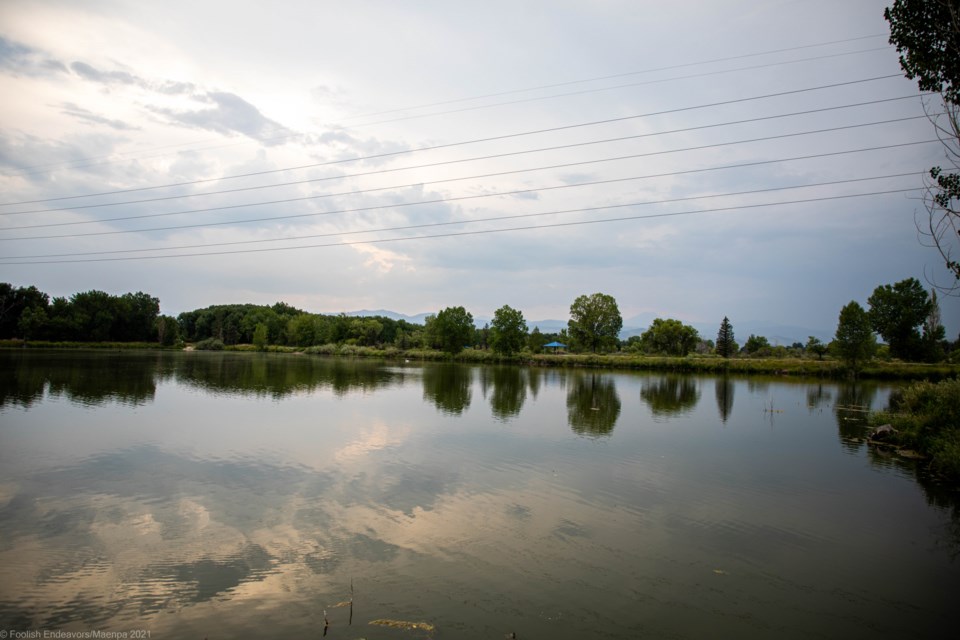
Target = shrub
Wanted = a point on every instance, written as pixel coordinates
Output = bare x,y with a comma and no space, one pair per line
210,344
927,417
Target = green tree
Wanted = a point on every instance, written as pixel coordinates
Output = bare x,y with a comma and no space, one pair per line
451,330
301,330
536,340
854,341
816,347
726,345
33,320
756,345
927,36
896,313
260,335
595,322
14,301
670,337
934,335
508,331
168,330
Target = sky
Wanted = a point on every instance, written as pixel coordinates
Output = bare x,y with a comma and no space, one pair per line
694,160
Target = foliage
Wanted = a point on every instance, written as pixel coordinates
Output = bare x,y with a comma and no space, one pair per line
87,316
927,419
536,340
508,331
726,345
815,346
209,344
260,335
168,331
13,302
896,312
595,322
927,36
450,330
669,337
933,340
854,341
756,345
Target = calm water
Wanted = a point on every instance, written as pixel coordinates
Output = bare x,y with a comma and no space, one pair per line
226,495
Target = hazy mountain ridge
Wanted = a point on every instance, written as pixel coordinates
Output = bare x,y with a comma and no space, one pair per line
777,334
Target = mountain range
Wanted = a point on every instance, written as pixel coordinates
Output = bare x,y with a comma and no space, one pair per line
777,334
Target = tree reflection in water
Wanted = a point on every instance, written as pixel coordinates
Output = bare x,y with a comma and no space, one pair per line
671,395
593,405
448,387
509,390
724,390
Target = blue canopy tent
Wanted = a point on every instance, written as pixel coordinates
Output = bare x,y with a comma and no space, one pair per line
556,346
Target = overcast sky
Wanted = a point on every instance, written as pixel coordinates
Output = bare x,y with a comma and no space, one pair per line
420,138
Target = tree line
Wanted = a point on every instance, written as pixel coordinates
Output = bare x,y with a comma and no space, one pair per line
903,314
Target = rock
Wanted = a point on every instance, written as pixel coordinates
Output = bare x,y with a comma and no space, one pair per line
883,433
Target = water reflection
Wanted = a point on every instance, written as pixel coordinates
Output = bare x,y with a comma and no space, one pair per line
593,404
268,374
89,379
852,407
508,390
448,386
724,389
671,395
206,523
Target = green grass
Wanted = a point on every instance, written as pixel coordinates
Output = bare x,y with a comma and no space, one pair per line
800,367
927,419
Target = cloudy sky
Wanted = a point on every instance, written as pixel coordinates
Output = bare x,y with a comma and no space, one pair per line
692,159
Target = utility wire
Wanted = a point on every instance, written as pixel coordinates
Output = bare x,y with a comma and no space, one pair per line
704,74
83,162
475,159
485,195
617,75
472,220
474,141
476,232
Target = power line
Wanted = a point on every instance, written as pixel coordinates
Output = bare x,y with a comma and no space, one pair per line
82,162
474,220
485,195
474,141
476,232
704,74
618,75
463,160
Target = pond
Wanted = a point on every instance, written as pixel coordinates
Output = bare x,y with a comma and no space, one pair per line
225,495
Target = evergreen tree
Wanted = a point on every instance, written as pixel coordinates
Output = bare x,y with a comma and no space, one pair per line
726,346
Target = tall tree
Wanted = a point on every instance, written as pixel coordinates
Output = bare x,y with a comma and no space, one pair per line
595,322
508,331
854,341
934,334
927,36
726,345
896,313
452,329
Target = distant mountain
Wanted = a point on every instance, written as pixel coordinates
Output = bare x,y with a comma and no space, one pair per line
777,334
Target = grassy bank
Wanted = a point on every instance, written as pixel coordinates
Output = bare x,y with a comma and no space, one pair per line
926,417
800,367
115,346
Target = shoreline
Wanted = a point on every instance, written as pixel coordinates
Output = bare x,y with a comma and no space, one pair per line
786,367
